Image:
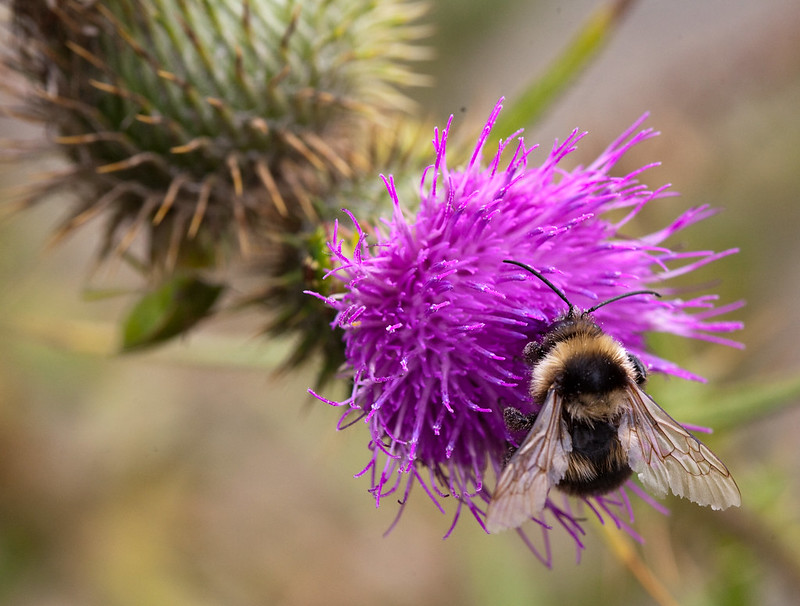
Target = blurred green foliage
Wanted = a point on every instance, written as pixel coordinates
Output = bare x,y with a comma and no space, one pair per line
172,309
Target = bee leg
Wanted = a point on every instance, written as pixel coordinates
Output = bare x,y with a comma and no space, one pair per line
515,420
510,450
639,367
532,353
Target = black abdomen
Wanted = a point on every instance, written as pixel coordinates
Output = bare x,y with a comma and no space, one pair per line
597,464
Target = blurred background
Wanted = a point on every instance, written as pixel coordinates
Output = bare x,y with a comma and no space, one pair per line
167,478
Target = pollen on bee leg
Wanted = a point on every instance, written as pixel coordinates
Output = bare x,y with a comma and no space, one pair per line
516,420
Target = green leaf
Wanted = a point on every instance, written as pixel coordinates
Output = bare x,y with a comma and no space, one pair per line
170,310
748,402
584,47
731,406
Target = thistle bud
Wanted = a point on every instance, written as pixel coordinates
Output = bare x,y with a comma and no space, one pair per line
206,126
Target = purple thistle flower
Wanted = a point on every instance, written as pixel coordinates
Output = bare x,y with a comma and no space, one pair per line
435,322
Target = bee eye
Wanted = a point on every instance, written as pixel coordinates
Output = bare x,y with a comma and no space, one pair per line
639,369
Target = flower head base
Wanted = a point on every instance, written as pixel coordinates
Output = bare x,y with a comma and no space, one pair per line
435,323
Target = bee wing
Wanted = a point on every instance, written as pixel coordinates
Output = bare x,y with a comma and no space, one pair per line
538,465
667,457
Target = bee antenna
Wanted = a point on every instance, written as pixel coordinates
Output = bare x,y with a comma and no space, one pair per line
617,298
552,286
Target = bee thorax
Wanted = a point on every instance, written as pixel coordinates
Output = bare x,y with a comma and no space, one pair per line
583,368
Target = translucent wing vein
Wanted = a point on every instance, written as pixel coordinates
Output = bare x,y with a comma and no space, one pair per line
538,465
667,457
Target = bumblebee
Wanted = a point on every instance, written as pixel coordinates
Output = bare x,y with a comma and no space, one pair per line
596,426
